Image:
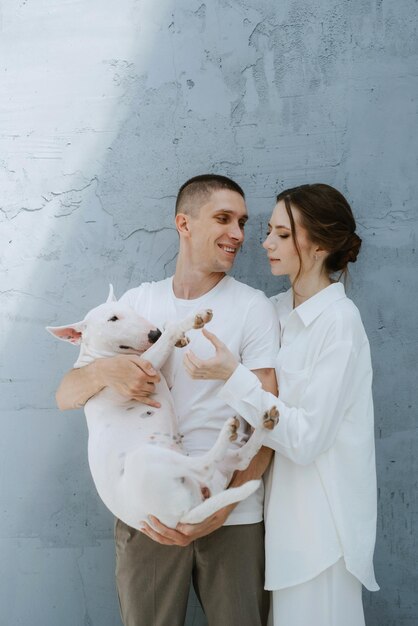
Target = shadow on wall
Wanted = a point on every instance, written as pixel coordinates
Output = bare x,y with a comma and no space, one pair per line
59,256
107,222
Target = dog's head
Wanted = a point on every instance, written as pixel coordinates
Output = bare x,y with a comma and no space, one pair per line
110,328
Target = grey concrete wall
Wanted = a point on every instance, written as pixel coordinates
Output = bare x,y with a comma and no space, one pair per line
106,110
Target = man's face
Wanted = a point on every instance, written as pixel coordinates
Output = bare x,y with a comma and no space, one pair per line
217,231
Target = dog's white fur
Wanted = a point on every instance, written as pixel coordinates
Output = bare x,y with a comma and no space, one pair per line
135,452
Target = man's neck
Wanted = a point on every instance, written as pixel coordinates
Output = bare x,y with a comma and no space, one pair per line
189,284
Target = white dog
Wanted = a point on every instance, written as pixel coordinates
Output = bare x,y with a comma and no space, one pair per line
135,454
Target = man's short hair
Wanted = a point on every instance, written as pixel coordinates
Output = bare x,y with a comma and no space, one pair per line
197,190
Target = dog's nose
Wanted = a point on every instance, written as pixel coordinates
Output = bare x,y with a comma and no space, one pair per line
153,335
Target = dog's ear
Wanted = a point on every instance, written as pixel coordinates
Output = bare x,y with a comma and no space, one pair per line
111,297
72,333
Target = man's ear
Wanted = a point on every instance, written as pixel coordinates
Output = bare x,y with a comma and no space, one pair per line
72,333
182,221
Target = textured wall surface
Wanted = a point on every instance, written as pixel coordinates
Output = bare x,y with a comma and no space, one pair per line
106,109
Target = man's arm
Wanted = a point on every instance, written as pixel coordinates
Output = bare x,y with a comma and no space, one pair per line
186,533
129,375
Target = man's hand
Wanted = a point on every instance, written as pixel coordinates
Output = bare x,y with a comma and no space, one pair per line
130,376
219,367
184,534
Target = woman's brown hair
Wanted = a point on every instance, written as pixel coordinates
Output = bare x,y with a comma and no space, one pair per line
329,222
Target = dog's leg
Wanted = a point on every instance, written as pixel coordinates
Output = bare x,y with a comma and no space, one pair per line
235,460
203,467
211,505
173,336
228,461
241,458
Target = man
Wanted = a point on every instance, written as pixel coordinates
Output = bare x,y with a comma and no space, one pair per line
224,555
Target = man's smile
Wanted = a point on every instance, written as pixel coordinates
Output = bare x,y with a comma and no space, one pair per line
228,248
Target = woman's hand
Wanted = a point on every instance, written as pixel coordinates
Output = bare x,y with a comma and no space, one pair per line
219,367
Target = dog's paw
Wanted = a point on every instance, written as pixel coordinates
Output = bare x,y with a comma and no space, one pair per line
271,418
233,427
202,318
182,342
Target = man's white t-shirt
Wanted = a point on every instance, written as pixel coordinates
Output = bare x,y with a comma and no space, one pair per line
246,321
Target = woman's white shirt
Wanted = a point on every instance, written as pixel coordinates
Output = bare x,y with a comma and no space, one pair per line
321,489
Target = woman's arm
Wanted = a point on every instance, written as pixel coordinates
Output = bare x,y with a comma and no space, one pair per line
308,429
304,431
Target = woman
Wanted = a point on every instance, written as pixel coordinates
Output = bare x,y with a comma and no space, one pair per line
321,491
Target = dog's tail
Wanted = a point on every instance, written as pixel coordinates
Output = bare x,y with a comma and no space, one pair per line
211,505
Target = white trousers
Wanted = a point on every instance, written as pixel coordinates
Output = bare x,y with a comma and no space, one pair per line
333,598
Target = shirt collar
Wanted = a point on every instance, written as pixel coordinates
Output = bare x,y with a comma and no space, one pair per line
309,310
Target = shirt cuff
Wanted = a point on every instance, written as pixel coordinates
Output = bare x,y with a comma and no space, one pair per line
239,384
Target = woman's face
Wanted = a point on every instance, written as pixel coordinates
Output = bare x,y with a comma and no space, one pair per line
280,247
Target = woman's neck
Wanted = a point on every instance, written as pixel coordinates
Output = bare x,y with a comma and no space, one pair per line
308,286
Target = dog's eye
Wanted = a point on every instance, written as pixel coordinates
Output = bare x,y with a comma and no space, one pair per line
113,319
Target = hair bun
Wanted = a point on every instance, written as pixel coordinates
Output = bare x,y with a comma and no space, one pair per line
353,245
337,261
328,219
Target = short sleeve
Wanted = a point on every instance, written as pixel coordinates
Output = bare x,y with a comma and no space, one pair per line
260,343
132,297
